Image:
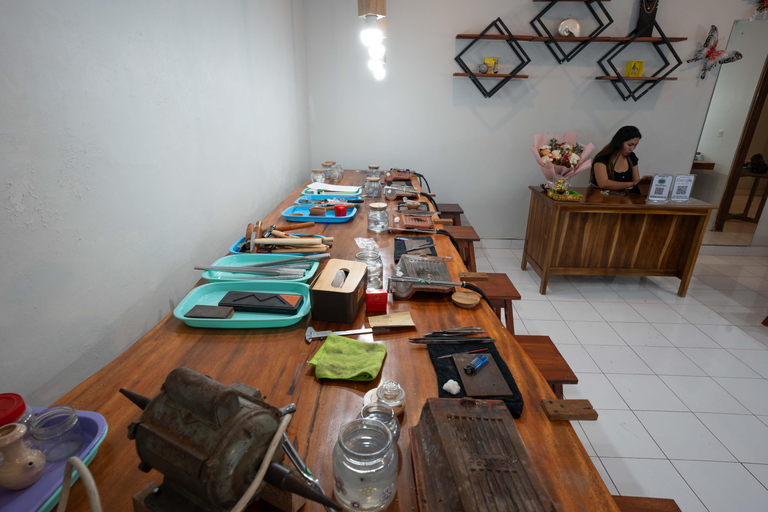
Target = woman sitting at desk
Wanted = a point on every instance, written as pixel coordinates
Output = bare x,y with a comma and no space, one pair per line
615,166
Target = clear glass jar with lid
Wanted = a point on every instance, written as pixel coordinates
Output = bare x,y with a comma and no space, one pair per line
378,218
327,171
393,395
372,187
375,268
13,409
383,413
337,171
365,466
373,171
318,176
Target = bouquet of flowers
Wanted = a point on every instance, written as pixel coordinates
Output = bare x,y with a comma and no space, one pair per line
560,155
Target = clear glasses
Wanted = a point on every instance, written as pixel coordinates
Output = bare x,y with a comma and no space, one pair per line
57,432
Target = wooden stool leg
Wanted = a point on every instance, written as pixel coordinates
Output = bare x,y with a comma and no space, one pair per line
509,316
558,389
471,250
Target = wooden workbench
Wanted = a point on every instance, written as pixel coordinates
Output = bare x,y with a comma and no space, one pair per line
275,361
613,235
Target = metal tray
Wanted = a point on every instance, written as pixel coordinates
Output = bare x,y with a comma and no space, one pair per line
291,212
44,494
210,294
243,259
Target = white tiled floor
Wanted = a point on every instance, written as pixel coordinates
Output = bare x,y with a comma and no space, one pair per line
680,384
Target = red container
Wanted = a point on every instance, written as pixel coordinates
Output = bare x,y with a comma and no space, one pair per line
340,210
376,301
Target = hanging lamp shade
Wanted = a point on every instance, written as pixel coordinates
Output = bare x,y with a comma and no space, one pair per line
372,7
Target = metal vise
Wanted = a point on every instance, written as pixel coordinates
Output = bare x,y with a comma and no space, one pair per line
207,439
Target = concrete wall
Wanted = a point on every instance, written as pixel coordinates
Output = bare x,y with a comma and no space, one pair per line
136,140
476,151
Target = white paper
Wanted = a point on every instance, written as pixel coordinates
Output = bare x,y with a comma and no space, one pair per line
681,190
660,187
333,188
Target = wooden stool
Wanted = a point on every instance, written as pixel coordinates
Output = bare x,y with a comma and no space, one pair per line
638,504
502,292
465,236
450,211
549,362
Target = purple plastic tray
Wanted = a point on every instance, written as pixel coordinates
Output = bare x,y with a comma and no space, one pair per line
44,494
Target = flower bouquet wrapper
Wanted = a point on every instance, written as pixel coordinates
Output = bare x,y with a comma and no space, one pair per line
549,169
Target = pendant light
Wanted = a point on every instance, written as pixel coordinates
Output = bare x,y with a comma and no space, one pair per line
373,12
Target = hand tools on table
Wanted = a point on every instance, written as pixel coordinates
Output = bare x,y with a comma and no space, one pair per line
292,261
469,352
285,271
463,284
312,334
295,458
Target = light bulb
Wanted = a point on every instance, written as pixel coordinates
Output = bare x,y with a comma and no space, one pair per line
371,34
373,65
377,51
379,73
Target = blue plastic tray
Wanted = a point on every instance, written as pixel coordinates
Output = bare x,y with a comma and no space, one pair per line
210,294
44,494
291,212
309,192
319,197
235,247
243,259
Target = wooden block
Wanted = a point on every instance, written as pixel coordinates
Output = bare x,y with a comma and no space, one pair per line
473,276
138,498
642,504
567,410
466,299
486,382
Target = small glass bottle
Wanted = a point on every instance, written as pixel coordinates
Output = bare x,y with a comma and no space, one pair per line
13,409
393,395
383,413
372,187
57,433
327,171
375,268
318,176
337,171
365,466
373,171
378,218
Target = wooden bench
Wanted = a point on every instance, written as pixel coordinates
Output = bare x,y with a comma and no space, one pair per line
502,292
639,504
465,237
450,211
548,361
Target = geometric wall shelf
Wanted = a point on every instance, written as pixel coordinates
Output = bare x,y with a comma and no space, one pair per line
514,45
551,42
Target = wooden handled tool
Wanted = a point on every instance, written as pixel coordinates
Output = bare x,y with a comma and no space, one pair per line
288,241
294,226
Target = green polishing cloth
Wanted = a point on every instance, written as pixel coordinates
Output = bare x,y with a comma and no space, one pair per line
345,358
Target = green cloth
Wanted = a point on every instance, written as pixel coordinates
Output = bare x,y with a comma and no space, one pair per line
345,358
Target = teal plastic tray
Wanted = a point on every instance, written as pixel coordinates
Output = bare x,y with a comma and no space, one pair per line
301,214
310,192
210,294
243,259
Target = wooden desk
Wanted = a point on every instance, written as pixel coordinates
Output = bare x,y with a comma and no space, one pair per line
275,361
613,236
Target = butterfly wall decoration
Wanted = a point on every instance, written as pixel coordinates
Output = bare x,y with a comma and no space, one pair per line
711,56
760,8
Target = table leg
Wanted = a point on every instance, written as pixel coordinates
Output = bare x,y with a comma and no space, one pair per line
509,316
558,389
524,264
471,254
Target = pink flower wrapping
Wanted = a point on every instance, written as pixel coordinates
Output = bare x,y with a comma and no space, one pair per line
551,170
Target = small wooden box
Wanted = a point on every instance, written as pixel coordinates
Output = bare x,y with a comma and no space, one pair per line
339,304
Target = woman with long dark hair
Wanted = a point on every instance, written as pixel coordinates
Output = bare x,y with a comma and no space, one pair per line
615,166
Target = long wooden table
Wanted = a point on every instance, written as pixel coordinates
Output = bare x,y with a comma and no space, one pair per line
613,235
275,361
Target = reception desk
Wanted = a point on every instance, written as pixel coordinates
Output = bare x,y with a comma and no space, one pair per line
613,235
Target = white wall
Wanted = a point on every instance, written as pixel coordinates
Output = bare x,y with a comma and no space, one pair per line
475,151
137,139
729,108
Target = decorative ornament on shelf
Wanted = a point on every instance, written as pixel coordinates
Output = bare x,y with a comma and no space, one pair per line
569,27
760,8
561,157
711,56
647,16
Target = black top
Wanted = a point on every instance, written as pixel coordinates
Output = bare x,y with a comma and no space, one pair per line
625,176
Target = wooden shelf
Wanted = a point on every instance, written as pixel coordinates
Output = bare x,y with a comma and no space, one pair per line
635,78
599,39
497,75
703,165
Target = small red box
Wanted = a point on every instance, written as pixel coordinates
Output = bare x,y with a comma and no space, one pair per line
376,301
340,210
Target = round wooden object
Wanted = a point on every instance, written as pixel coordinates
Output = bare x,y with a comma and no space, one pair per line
466,299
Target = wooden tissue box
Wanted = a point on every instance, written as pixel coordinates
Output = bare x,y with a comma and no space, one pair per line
339,303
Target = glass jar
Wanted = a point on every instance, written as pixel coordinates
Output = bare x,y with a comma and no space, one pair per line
378,218
393,395
365,466
382,412
318,176
13,409
57,433
375,268
327,171
372,187
337,172
373,171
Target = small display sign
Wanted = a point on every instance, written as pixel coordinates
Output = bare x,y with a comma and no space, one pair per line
660,186
681,190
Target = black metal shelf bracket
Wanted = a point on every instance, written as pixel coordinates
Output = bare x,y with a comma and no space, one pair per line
622,87
554,47
513,44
